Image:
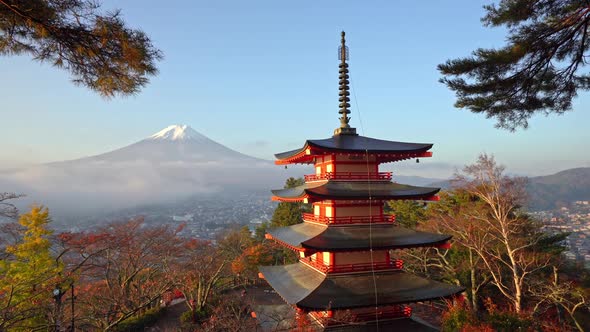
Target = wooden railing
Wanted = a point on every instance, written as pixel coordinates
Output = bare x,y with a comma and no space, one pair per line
394,264
350,176
388,313
387,218
331,318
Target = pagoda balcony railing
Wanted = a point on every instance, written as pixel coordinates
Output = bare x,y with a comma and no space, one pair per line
394,264
349,176
397,312
327,317
386,218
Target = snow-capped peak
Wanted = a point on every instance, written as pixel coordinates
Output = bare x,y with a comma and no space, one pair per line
177,132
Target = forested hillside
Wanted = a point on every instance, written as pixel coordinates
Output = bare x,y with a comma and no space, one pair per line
551,191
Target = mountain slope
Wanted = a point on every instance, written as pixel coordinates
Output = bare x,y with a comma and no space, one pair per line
551,191
173,143
173,163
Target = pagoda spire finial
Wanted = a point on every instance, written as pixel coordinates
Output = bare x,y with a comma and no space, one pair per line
343,92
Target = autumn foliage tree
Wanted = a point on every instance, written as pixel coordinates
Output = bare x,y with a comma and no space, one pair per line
509,266
29,273
112,276
196,273
254,256
122,269
232,313
233,243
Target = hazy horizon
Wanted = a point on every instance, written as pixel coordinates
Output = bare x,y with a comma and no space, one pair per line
260,78
427,168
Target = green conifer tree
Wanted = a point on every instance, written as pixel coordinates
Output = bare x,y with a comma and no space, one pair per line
287,213
408,213
539,70
29,273
96,47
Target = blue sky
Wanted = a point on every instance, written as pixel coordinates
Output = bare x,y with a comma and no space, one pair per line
261,77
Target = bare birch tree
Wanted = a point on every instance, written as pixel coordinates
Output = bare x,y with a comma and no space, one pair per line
504,238
564,294
452,215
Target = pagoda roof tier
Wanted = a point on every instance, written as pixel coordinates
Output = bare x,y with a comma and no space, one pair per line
313,237
386,151
306,288
356,190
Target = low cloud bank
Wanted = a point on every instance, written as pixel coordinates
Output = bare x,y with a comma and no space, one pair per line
83,188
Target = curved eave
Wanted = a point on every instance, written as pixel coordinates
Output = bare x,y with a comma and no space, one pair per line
386,151
304,158
296,194
297,156
367,147
311,238
304,287
362,238
340,190
293,236
373,196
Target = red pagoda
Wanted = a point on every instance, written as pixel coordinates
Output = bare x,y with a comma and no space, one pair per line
346,278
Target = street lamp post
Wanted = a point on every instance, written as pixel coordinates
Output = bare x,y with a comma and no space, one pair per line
57,295
73,329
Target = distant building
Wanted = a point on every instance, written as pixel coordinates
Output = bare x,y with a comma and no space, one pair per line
185,218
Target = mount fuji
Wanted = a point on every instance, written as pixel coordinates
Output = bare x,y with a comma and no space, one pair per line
173,144
171,164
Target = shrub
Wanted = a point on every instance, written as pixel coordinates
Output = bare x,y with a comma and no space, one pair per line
481,327
456,318
139,323
508,322
191,317
187,317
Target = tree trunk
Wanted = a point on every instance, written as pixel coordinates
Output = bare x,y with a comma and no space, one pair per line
517,278
474,305
517,294
580,328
